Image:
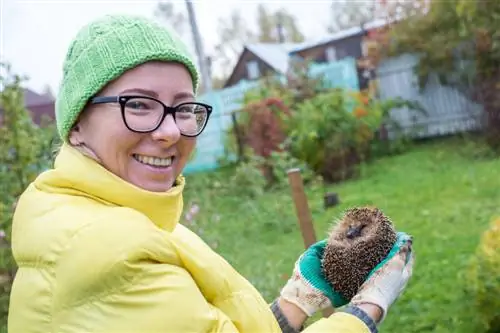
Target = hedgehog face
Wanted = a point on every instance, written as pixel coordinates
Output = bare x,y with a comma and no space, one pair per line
355,230
352,229
356,225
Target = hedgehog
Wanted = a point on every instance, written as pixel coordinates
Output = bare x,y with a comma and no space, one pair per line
355,245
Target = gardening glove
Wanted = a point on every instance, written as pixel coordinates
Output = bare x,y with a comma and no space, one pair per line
307,287
388,280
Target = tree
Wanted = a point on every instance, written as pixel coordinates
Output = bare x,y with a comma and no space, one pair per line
292,33
25,150
267,28
234,33
348,14
166,11
270,23
458,41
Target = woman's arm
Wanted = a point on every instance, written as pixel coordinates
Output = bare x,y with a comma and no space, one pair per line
291,318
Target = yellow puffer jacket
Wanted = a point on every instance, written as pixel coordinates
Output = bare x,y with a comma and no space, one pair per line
96,254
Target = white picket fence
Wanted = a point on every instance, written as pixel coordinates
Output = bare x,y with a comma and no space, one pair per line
448,110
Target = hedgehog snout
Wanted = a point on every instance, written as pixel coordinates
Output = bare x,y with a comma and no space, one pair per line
354,232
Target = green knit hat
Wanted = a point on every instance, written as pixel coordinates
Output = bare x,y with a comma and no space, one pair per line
103,50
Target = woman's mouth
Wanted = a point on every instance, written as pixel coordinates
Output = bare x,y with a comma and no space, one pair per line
158,162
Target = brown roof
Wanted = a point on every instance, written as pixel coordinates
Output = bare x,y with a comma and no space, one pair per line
32,98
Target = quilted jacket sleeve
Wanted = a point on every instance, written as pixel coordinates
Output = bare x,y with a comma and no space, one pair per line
340,322
120,275
350,320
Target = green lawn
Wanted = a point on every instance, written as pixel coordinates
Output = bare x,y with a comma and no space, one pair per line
442,196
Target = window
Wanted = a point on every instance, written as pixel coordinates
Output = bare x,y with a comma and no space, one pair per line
252,70
331,54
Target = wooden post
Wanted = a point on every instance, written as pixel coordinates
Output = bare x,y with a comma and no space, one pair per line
303,213
301,207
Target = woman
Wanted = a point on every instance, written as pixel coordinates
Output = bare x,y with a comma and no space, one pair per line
97,238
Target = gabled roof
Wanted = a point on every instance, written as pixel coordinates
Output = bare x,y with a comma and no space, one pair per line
32,98
340,35
275,55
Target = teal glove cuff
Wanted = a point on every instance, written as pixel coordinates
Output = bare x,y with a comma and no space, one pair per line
311,270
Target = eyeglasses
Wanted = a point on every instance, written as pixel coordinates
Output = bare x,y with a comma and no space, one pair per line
143,114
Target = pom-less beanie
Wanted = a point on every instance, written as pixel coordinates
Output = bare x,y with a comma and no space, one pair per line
106,48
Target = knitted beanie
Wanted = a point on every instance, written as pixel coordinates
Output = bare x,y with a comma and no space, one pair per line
105,49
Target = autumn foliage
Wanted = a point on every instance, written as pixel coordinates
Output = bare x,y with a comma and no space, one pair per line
264,131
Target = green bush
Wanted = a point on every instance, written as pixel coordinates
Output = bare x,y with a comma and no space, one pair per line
484,277
324,133
257,127
336,130
25,150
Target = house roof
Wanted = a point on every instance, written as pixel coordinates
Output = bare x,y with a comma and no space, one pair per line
340,35
32,98
275,55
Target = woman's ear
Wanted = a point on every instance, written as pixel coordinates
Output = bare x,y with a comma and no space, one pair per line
75,136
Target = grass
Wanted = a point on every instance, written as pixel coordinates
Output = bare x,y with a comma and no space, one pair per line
435,192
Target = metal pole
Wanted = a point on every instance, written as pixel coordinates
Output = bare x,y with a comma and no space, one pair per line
206,80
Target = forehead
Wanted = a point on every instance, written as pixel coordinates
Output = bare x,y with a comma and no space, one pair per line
164,79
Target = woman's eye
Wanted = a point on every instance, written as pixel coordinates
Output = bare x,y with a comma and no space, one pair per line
136,105
185,110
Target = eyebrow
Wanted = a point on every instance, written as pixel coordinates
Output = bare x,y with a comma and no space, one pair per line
152,93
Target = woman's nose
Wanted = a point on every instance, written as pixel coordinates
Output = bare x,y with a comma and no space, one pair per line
168,131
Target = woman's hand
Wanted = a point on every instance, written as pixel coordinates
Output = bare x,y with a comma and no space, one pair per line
307,288
387,283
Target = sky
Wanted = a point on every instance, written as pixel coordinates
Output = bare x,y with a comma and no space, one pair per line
35,34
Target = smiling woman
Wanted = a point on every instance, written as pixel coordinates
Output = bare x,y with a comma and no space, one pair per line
153,147
97,238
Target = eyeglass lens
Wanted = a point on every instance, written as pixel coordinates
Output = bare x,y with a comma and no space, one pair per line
142,114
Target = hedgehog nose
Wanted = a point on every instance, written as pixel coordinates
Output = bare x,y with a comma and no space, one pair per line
353,232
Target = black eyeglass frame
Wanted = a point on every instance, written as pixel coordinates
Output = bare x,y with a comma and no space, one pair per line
122,100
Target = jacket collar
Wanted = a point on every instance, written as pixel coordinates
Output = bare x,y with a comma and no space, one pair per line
76,174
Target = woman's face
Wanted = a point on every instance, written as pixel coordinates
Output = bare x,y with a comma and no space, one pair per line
151,161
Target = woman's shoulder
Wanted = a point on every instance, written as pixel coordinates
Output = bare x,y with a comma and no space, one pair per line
75,228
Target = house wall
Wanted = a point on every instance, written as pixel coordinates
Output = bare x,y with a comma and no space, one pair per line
347,47
38,113
240,70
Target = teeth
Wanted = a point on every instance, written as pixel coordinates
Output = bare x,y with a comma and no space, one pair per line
154,161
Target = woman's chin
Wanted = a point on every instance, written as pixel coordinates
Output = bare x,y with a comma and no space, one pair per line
153,179
155,186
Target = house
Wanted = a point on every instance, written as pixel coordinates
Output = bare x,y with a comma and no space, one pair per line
40,106
260,59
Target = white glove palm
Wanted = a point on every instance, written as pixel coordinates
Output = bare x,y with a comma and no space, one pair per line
387,283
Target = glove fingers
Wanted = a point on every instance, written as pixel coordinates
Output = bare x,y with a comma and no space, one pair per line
399,260
408,269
